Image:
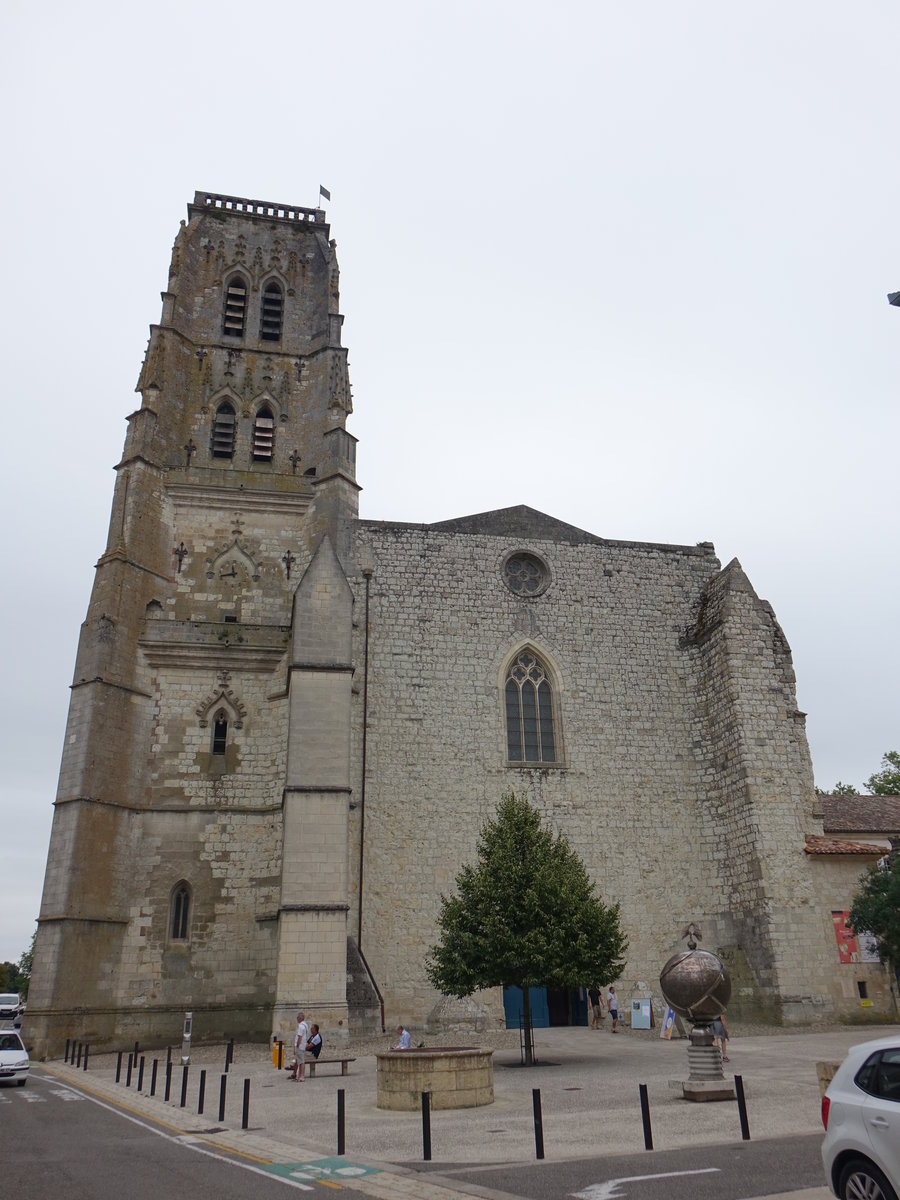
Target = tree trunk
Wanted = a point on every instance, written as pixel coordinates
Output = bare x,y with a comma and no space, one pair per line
526,1023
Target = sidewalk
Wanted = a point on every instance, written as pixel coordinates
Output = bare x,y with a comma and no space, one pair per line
589,1095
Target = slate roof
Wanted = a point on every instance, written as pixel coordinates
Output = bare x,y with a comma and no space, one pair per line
861,814
521,521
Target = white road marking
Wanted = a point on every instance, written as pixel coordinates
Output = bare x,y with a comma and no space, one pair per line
607,1190
66,1094
177,1138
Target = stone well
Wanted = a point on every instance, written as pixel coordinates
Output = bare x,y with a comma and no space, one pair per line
456,1077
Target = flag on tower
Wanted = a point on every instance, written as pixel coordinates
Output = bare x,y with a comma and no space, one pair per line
324,192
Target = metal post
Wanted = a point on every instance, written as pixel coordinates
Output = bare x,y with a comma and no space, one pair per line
168,1055
128,1072
78,1063
538,1123
135,1053
341,1119
426,1126
184,1083
153,1077
202,1095
245,1115
86,1050
119,1067
140,1085
645,1116
281,1056
168,1091
222,1087
742,1107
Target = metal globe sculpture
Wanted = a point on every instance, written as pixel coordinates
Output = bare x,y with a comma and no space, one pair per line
696,985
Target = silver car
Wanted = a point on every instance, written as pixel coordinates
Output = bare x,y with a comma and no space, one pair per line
861,1115
13,1058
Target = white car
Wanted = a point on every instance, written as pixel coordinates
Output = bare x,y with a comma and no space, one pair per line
861,1115
13,1058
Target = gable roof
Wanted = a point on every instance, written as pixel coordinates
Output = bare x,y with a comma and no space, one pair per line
855,814
520,521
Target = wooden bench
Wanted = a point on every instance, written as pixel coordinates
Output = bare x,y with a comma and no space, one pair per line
312,1063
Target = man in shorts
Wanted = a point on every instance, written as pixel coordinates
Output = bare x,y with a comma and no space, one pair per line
300,1047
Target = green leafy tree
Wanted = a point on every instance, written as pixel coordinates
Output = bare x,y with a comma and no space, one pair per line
24,968
875,909
886,782
9,972
526,915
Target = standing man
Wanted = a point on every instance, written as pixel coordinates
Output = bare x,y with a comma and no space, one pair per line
596,1006
300,1047
612,1004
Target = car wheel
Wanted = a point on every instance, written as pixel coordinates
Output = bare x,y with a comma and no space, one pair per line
862,1180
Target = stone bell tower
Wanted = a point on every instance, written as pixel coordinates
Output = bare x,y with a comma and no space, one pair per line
189,866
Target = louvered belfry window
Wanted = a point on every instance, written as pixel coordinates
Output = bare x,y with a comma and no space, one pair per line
270,314
235,307
223,432
263,435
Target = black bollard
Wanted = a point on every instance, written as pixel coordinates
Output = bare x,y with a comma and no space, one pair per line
341,1121
128,1072
222,1087
538,1123
135,1053
742,1107
86,1049
119,1067
202,1096
140,1085
168,1055
645,1116
245,1115
153,1077
426,1126
78,1063
66,1059
281,1056
184,1083
168,1091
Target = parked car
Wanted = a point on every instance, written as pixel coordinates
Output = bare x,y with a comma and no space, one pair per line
10,1006
13,1058
861,1115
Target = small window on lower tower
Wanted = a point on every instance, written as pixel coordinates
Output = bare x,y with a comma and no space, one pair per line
181,913
220,732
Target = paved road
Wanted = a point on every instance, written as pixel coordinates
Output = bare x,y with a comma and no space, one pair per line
756,1168
56,1140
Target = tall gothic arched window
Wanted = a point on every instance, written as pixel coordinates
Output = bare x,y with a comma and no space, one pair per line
235,314
181,913
530,736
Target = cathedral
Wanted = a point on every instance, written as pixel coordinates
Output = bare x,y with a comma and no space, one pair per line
288,724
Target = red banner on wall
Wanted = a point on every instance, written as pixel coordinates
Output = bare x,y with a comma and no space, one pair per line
848,947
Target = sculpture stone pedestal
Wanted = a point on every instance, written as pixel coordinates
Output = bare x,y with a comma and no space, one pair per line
707,1079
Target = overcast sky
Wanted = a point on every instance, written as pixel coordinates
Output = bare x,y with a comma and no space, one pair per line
625,263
